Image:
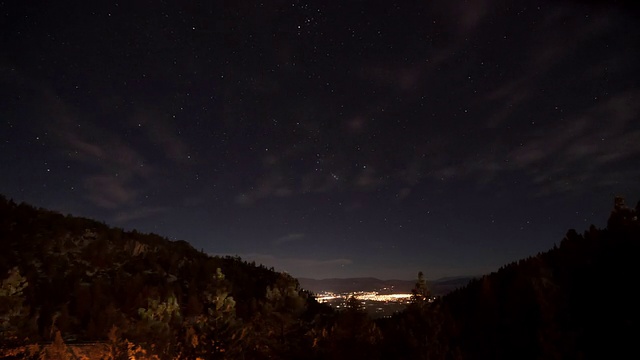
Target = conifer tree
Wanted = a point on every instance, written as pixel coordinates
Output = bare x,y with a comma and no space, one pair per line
420,292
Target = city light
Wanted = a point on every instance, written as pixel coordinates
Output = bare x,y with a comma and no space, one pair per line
373,302
364,296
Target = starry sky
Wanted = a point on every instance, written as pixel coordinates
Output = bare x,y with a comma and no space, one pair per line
326,139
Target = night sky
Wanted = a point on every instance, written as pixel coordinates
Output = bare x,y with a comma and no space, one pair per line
367,138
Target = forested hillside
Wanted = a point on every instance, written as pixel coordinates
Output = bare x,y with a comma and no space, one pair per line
575,301
69,280
91,282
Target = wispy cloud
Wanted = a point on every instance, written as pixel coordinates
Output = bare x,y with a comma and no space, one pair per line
138,213
109,153
404,78
116,165
277,180
109,192
160,130
367,179
562,148
300,267
289,238
118,169
270,184
569,155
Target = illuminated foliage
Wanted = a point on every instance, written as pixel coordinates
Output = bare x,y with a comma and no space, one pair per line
13,312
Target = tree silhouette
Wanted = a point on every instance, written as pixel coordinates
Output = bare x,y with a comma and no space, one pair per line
420,293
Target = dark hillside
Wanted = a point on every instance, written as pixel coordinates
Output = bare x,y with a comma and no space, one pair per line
86,280
575,301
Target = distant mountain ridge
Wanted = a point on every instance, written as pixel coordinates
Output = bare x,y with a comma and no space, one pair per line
345,285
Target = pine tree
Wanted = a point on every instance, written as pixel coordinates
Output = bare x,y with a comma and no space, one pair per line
420,293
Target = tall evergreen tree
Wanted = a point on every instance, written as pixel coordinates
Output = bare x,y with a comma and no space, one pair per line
420,293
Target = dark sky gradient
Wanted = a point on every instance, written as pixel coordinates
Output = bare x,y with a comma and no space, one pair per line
370,138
